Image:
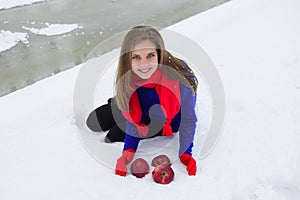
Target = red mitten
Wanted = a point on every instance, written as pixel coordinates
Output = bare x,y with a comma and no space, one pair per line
190,163
126,158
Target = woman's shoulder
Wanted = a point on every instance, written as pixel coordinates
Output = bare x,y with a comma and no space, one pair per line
184,89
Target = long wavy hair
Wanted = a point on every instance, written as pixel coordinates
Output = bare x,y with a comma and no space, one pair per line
174,68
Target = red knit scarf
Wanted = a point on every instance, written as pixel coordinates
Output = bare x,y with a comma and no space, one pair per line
169,97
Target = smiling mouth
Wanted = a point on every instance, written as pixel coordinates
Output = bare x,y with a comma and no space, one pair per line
145,70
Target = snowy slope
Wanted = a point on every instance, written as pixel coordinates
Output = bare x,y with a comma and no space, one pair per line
256,48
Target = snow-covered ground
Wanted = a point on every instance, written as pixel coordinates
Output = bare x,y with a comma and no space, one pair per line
255,46
6,4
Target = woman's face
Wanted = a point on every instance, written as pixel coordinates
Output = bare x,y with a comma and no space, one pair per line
144,60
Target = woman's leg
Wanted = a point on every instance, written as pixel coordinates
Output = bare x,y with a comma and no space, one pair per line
105,117
116,133
109,117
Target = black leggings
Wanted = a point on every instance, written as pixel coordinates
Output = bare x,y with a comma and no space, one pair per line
109,117
106,117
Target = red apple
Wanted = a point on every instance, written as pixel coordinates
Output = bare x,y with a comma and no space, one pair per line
139,168
160,160
163,174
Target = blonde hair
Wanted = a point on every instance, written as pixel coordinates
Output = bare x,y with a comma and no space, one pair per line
173,67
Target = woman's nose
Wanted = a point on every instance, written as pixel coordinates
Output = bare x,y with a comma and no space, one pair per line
144,61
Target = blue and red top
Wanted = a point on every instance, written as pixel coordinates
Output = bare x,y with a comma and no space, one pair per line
183,121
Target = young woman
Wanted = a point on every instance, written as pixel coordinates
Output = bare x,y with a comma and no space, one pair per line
155,96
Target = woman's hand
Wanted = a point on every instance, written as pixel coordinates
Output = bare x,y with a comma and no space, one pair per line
126,158
190,163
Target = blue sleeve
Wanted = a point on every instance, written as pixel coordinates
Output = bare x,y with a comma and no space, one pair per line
132,138
188,120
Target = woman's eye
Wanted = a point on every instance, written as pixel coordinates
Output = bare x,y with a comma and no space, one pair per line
135,57
150,55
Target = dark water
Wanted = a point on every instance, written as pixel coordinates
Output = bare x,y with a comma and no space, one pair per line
44,56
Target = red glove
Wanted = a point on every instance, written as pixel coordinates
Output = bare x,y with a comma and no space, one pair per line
190,163
126,158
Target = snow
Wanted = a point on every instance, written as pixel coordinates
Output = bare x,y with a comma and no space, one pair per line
52,29
255,46
10,39
5,4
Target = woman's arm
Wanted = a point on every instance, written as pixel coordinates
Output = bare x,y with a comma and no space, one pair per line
130,146
132,138
188,120
187,129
